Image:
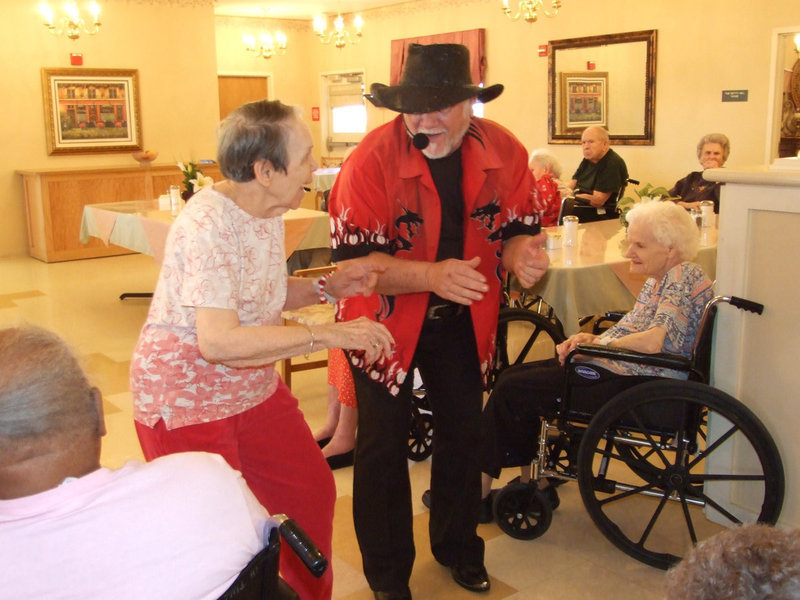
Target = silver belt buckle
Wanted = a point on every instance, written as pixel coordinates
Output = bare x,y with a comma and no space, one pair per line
431,312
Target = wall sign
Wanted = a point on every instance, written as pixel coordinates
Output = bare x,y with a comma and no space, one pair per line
734,95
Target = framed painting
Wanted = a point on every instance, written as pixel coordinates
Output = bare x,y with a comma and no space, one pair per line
584,100
91,110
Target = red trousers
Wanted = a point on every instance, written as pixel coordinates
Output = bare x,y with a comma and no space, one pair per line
273,447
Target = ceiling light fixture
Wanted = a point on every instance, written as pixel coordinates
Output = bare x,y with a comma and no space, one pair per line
528,10
71,24
338,35
267,46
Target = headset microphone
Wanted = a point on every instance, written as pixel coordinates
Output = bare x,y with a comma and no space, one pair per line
420,141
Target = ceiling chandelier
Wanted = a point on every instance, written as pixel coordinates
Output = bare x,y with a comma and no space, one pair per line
338,35
267,46
71,24
527,9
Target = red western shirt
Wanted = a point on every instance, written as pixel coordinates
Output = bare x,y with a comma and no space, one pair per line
384,199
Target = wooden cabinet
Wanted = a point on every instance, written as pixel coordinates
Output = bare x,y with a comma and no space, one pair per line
54,201
755,356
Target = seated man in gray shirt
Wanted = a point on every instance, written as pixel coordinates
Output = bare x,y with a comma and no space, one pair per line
598,179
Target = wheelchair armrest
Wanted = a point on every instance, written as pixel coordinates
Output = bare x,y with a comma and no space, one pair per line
667,361
615,315
301,544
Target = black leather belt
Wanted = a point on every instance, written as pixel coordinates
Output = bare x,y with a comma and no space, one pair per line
444,311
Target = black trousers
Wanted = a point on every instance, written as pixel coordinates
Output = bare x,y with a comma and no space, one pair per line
447,358
511,419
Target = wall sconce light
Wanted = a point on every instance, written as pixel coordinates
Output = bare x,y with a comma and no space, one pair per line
71,24
338,35
267,46
527,9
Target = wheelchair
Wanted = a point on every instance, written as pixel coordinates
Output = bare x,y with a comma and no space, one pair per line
259,580
652,455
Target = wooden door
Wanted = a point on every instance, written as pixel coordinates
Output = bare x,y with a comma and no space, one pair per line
236,90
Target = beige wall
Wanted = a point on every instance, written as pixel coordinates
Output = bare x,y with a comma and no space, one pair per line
171,45
703,48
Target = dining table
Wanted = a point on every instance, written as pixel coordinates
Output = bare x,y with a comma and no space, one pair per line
593,275
322,181
140,226
323,178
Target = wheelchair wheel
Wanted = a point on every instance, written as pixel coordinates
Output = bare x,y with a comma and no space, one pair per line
656,469
420,435
522,511
524,336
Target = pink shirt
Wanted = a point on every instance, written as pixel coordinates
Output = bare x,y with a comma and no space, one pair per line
217,256
180,527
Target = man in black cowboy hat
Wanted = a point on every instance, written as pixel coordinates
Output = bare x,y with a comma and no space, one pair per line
444,202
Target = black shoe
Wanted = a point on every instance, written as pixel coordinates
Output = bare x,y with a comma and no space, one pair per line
426,499
486,514
393,595
339,461
551,495
474,578
323,442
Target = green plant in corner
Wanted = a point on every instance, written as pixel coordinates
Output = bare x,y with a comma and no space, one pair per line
646,193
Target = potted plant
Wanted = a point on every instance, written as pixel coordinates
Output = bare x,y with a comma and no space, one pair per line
647,193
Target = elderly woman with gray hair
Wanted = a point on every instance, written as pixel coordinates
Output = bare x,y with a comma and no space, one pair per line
751,562
713,150
662,240
203,372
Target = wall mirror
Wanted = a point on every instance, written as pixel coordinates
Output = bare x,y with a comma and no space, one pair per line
607,80
783,121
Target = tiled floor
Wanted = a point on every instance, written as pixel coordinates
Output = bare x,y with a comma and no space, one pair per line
80,301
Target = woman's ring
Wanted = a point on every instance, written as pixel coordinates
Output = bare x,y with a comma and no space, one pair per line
375,344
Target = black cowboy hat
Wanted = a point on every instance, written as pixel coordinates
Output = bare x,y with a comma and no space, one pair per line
434,77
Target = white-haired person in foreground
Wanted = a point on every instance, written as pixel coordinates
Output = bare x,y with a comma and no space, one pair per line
180,527
752,562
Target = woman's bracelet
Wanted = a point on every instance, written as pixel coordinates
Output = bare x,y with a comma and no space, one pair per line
313,341
324,296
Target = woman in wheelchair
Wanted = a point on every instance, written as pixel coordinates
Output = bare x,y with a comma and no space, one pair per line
663,239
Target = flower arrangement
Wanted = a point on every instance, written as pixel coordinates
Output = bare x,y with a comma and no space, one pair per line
193,179
646,193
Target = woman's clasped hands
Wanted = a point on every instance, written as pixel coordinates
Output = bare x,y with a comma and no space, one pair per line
567,346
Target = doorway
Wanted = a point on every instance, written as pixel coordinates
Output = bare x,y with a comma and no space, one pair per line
235,90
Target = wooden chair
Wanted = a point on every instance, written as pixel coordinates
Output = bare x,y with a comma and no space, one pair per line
315,314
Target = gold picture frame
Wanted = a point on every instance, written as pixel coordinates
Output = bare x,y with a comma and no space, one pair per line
584,100
91,110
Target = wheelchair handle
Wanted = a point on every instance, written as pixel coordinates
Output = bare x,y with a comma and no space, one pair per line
749,305
303,546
